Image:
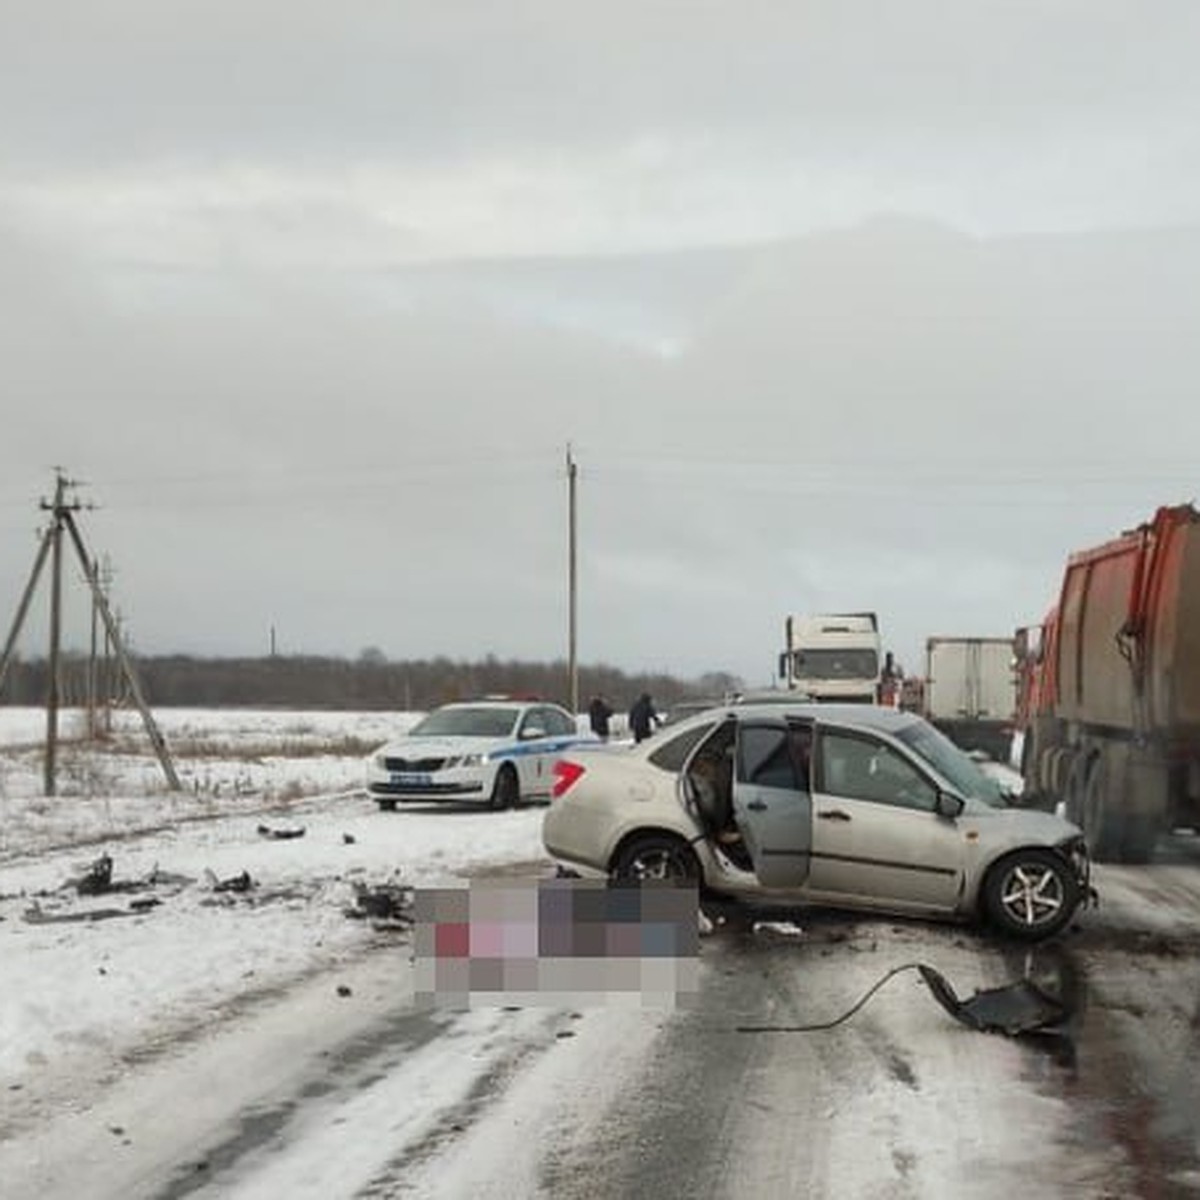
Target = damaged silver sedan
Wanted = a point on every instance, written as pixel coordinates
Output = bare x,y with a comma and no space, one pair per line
844,806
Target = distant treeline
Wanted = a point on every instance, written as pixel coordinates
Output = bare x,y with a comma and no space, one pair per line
366,683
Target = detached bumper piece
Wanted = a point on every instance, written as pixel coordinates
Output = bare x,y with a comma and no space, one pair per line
1016,1008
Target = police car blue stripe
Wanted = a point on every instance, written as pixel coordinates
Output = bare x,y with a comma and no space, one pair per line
524,749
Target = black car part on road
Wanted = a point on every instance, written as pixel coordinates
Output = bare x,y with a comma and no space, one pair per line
1014,1009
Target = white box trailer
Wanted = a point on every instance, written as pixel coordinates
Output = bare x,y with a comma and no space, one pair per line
971,691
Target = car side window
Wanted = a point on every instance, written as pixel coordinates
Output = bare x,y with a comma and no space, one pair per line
534,724
559,724
861,768
673,753
764,757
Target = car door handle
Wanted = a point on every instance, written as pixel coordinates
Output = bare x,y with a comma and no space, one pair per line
833,814
757,806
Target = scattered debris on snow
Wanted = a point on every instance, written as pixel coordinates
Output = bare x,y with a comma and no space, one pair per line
280,834
97,879
388,905
235,883
783,929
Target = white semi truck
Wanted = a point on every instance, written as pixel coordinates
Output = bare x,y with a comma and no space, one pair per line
833,657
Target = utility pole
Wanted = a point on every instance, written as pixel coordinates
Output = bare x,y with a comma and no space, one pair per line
107,689
60,509
64,519
572,663
91,670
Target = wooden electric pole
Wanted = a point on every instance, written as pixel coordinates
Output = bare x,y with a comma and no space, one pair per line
572,663
59,508
63,519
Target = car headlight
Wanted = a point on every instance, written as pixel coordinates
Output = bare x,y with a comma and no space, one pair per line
379,761
467,760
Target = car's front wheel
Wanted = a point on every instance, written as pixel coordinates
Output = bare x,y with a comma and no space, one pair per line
506,790
1031,894
657,856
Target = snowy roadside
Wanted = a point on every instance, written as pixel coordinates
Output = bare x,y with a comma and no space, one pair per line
228,761
91,983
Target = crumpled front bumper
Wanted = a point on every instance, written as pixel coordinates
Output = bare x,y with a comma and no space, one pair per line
1076,853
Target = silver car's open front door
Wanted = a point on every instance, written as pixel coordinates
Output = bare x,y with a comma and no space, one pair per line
771,800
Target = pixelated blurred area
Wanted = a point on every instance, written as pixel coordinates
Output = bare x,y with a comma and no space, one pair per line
556,942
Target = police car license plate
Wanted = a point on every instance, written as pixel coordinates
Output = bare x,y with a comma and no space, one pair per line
411,778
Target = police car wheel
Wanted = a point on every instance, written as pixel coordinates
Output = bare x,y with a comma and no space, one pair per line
506,792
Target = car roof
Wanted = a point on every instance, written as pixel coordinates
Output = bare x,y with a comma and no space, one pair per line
870,716
497,702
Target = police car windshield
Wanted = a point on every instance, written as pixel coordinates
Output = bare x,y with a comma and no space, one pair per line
467,722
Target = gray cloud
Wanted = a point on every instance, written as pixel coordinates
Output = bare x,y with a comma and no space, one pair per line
296,79
313,302
897,417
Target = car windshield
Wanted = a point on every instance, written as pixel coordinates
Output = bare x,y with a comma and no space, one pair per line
688,708
466,722
836,664
951,763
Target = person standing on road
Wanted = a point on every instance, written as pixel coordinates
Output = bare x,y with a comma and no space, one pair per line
642,717
599,712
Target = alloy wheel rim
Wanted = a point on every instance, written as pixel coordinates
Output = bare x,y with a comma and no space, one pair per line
657,864
1032,895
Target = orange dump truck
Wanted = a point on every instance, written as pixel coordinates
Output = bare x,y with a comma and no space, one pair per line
1109,704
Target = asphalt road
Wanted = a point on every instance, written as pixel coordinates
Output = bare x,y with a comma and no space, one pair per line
315,1095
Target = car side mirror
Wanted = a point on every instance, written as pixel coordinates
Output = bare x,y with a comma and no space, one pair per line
949,805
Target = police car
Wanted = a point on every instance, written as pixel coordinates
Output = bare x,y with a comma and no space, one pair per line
498,752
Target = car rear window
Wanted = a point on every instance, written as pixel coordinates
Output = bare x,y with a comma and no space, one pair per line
672,754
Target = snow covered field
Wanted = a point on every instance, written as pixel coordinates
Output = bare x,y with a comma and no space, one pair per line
88,980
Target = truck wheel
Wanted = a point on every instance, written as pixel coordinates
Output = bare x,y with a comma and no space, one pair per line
1060,770
1030,894
1027,759
1101,822
1075,790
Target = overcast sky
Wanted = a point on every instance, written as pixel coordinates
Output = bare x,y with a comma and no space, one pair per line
841,305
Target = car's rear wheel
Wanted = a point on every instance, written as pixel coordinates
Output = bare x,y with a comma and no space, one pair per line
506,790
656,856
1030,894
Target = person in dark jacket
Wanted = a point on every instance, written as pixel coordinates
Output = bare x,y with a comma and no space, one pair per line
642,717
599,713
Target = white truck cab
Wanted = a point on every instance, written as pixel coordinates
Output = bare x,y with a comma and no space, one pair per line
834,657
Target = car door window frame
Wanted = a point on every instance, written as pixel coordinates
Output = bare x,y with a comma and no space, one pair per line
870,793
780,760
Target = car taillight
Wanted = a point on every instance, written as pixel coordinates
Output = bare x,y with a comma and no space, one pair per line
565,775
